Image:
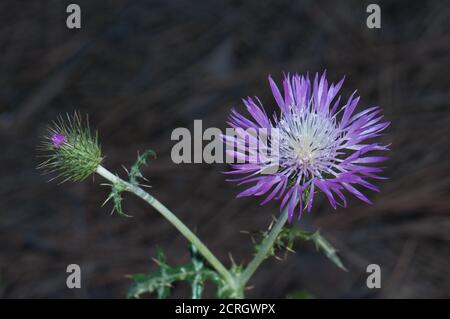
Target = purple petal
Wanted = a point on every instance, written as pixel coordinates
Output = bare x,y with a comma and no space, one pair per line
288,94
311,195
259,116
357,193
349,108
292,203
273,194
277,95
327,192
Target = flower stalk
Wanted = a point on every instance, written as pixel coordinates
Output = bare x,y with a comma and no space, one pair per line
263,250
175,221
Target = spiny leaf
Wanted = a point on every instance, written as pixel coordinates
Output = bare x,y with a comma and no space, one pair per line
196,273
286,238
163,290
135,171
197,282
116,189
324,245
289,235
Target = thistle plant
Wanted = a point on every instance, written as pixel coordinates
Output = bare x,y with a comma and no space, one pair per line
322,146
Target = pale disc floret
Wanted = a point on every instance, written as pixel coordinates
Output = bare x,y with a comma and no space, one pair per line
308,144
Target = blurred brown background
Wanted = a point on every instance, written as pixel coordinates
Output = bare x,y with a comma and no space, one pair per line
142,68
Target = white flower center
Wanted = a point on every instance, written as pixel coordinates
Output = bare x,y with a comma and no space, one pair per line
308,143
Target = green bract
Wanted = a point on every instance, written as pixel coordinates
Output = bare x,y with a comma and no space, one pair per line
72,150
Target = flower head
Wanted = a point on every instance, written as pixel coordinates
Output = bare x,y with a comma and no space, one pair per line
318,145
71,150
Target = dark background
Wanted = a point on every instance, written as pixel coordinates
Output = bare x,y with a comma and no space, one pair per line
142,68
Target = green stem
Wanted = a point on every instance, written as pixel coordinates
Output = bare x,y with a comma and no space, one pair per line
264,249
175,221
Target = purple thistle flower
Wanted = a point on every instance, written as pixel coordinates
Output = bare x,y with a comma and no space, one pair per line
321,145
58,139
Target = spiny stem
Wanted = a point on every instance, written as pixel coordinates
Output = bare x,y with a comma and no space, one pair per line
264,249
175,221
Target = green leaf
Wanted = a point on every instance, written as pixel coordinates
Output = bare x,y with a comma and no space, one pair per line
324,245
197,281
196,273
289,235
135,171
116,189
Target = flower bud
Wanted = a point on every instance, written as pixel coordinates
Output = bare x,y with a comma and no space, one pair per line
72,151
